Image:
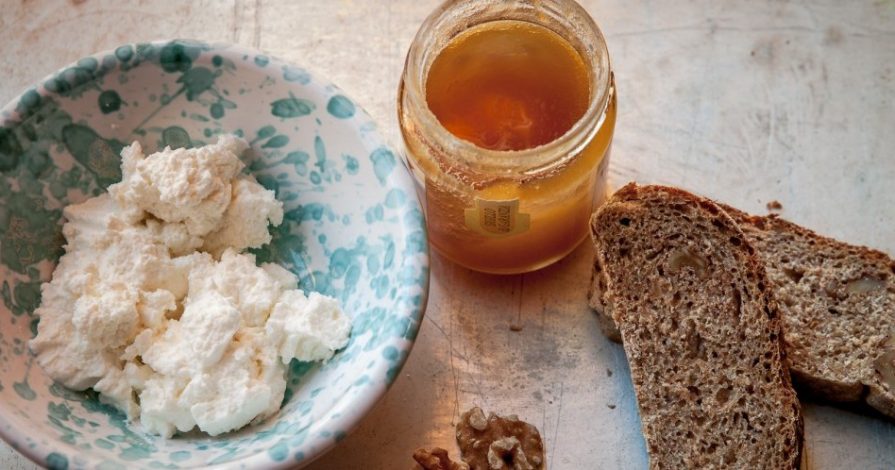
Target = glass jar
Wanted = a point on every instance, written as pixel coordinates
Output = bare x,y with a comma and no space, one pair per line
508,211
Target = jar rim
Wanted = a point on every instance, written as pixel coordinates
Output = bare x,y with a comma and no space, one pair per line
456,16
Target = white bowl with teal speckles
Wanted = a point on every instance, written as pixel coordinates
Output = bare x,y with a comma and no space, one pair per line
353,229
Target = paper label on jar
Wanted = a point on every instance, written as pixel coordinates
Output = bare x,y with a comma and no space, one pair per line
496,218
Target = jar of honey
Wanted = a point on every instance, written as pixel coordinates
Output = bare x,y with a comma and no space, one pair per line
507,109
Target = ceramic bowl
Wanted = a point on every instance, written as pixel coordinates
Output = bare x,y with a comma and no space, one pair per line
353,229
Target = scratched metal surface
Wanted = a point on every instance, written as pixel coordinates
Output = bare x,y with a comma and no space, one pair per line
745,101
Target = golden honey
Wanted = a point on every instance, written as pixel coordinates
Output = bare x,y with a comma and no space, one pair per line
508,85
508,125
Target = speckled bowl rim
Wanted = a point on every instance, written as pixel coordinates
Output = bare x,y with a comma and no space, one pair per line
348,412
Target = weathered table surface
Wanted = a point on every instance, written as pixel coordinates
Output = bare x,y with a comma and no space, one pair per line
745,101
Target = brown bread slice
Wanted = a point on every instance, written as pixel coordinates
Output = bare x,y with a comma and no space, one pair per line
700,330
837,303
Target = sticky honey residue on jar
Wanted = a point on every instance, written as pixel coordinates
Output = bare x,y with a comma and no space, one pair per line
508,85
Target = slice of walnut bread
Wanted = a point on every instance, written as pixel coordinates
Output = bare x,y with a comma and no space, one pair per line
701,332
837,303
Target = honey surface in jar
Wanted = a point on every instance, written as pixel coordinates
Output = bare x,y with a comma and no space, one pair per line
508,85
511,85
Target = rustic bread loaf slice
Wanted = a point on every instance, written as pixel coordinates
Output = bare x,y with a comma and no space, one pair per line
837,302
700,330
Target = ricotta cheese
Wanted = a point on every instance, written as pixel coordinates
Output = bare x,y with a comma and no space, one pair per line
155,306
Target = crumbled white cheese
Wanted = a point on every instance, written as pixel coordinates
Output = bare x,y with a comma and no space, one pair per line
192,186
173,336
245,221
306,328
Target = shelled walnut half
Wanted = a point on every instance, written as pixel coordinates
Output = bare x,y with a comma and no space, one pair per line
499,443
